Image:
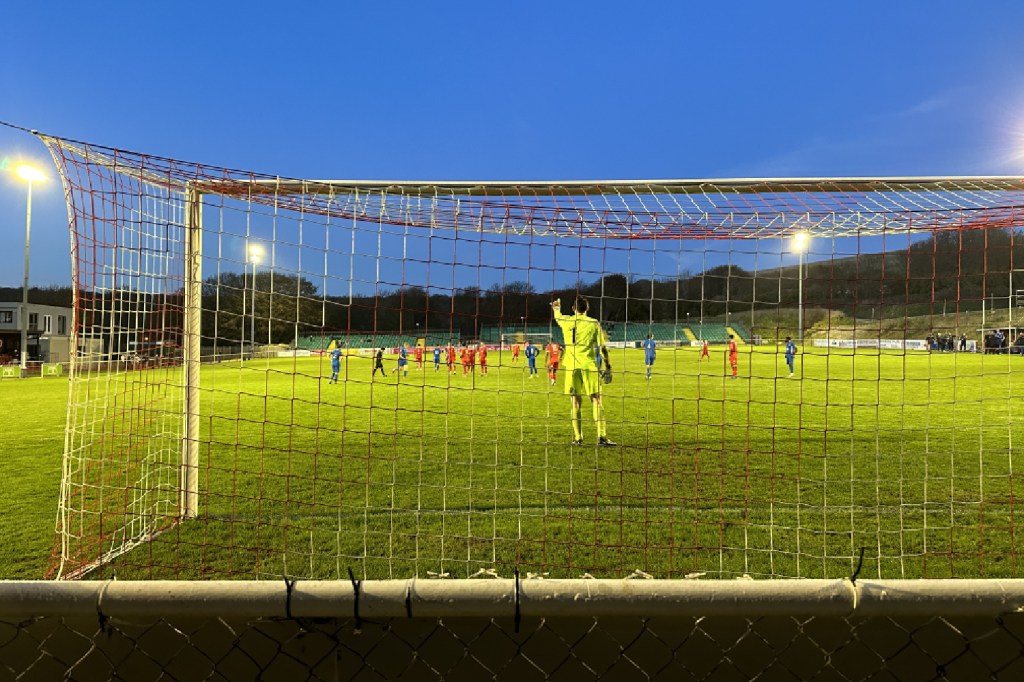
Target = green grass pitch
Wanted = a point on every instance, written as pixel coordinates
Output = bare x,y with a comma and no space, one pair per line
906,456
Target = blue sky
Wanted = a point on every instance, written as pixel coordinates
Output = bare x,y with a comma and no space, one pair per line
529,90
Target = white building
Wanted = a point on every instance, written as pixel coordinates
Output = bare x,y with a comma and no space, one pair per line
49,333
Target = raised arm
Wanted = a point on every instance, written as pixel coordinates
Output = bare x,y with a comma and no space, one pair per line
560,319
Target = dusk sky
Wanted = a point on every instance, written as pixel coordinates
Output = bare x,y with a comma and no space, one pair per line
509,91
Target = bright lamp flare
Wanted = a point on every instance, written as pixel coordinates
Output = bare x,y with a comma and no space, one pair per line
255,253
800,242
30,173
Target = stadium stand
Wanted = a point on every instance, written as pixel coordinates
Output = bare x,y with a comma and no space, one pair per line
712,332
742,331
493,334
618,332
732,332
360,339
632,332
638,331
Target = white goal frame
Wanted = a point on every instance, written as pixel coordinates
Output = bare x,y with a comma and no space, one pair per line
549,216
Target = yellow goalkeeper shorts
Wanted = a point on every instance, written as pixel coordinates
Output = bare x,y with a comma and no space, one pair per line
583,382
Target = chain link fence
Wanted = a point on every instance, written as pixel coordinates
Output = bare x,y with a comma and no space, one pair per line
663,648
510,630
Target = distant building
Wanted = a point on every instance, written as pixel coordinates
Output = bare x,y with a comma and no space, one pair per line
49,333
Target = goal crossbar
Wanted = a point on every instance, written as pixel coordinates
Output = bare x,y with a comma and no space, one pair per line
951,183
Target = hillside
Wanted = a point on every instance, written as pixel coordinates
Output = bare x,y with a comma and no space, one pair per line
820,323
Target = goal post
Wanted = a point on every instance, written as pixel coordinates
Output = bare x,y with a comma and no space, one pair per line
192,336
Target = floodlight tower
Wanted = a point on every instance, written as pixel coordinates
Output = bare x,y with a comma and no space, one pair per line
255,253
801,242
29,174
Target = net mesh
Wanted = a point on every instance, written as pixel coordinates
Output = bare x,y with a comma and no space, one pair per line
322,439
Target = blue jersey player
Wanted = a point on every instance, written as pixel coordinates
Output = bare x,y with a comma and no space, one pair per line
790,354
649,354
437,358
531,352
403,360
335,365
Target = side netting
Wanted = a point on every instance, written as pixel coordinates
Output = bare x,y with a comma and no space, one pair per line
502,629
281,378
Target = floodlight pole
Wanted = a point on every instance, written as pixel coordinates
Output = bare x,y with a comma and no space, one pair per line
1009,304
800,300
24,286
252,320
800,245
253,253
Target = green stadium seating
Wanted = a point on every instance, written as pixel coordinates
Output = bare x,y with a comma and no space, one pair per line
622,332
742,331
712,332
361,339
493,334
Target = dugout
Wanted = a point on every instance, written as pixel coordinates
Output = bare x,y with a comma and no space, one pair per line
55,349
1012,339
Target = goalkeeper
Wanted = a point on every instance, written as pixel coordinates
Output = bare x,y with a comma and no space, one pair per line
583,336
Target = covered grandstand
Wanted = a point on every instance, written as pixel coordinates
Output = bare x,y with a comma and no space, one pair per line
361,339
630,333
619,333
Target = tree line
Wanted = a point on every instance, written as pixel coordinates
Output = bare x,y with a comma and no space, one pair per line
960,268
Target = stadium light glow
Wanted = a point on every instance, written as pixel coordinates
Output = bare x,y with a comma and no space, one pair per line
30,173
255,253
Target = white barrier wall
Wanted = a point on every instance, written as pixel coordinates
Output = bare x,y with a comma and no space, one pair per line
884,344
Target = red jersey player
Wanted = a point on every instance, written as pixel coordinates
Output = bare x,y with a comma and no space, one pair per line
734,356
705,352
515,352
450,358
482,356
417,354
554,352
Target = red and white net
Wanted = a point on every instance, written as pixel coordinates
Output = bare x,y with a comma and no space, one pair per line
887,445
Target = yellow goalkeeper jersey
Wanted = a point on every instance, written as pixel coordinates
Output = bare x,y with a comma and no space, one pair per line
583,336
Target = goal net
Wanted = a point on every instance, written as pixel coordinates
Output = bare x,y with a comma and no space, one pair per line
880,444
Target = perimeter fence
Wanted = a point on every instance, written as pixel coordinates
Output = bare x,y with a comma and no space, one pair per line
499,629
